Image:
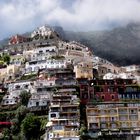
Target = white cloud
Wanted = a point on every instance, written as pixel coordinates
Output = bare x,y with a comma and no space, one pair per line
19,16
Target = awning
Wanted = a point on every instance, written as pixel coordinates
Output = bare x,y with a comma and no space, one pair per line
49,124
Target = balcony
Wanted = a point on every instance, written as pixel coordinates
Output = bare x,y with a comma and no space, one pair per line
65,134
58,104
54,110
93,126
134,124
57,127
104,126
113,118
112,112
70,117
92,119
133,117
123,117
71,110
113,126
123,111
73,124
92,113
103,112
104,119
70,133
124,125
133,111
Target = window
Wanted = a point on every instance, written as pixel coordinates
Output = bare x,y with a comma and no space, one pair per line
40,51
41,84
109,70
112,96
103,97
10,71
17,86
29,69
102,71
53,115
85,95
26,86
37,103
132,111
112,118
36,68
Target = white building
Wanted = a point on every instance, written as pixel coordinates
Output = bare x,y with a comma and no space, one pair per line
44,32
21,85
17,59
119,76
46,82
34,66
43,53
74,52
132,68
38,100
14,90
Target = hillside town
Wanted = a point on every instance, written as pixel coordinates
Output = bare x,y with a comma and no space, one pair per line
64,88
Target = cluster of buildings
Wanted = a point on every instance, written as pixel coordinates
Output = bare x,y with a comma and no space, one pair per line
67,81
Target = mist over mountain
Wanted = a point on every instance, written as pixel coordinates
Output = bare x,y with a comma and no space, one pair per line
120,45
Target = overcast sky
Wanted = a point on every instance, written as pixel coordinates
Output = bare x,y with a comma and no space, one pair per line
19,16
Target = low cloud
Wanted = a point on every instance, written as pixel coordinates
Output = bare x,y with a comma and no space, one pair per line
18,16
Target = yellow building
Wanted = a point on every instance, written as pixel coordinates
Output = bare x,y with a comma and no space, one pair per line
64,117
110,118
3,73
18,59
8,72
84,70
12,69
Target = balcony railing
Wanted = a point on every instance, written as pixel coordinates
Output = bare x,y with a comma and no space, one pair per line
123,118
133,117
123,112
68,117
65,134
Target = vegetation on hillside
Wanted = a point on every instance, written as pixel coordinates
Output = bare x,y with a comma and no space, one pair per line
4,59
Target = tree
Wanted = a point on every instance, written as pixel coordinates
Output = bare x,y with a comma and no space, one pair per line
6,134
82,130
6,58
20,114
31,127
24,97
1,62
15,127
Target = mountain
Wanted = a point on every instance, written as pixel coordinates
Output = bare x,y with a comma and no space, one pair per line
120,45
